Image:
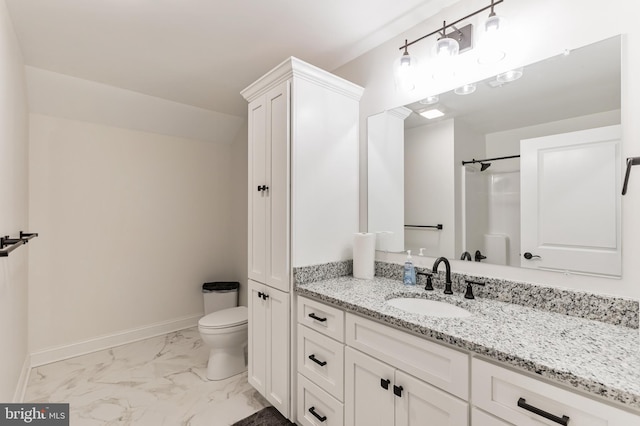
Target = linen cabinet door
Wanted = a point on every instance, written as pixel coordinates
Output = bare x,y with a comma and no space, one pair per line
278,187
257,368
277,351
258,171
368,399
420,404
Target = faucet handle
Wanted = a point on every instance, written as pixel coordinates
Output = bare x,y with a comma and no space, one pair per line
429,285
469,293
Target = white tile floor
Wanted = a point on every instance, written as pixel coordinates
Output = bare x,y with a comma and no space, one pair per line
154,382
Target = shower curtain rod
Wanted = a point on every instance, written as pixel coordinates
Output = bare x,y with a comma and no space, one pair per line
473,161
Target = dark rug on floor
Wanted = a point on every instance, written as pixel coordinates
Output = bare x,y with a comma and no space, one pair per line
268,416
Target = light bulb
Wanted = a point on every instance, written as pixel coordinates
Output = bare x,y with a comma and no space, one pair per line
405,70
447,47
492,43
493,23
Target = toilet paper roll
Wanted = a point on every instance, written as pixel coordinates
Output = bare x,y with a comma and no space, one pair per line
364,251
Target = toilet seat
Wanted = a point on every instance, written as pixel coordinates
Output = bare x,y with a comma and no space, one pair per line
225,319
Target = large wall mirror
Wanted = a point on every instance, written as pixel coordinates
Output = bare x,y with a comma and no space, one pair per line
540,185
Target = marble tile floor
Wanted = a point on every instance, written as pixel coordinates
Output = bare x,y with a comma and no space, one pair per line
153,382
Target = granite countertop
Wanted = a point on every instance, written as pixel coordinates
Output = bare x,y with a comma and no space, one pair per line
590,356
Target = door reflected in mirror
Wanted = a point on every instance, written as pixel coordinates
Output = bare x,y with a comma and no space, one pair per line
417,179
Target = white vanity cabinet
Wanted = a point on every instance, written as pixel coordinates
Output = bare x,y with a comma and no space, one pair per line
320,364
525,401
302,203
411,381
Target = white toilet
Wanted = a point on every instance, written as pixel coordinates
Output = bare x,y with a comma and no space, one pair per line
224,330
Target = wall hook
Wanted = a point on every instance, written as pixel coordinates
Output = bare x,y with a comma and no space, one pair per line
631,161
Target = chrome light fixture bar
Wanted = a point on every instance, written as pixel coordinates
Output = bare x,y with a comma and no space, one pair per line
446,26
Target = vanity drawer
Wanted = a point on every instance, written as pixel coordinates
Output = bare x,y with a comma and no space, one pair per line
321,318
445,368
321,359
316,407
480,418
500,391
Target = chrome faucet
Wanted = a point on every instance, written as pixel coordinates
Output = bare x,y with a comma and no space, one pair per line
447,287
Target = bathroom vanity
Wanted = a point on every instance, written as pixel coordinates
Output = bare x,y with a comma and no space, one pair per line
362,361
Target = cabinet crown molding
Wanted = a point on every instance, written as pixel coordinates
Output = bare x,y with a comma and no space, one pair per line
294,67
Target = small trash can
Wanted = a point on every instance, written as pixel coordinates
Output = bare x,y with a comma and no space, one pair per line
220,295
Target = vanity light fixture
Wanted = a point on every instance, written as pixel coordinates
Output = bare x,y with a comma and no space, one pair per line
405,70
432,113
448,45
492,48
466,89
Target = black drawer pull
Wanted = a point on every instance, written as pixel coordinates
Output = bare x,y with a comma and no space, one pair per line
313,358
397,391
317,318
312,410
564,420
260,294
384,383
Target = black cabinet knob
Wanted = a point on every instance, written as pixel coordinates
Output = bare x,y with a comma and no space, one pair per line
384,383
397,391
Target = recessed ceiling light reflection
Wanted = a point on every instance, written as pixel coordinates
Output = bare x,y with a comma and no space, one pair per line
509,76
430,100
432,113
467,89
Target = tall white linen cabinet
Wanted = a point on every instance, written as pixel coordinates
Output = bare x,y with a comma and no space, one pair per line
303,205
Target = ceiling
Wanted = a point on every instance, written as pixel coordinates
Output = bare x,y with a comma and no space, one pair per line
202,52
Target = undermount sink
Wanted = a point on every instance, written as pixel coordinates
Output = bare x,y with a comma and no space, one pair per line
428,307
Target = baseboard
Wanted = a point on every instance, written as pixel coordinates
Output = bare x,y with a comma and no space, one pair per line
23,380
59,353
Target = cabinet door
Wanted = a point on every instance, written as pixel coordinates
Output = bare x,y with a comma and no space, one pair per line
257,368
278,194
277,353
269,189
366,401
420,404
258,167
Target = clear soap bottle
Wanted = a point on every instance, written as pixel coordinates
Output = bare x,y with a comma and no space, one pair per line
409,277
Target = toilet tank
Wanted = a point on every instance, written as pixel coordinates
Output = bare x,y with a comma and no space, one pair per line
219,295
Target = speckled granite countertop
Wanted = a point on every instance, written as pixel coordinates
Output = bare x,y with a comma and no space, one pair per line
591,356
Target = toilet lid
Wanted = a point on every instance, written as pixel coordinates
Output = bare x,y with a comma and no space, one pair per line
225,318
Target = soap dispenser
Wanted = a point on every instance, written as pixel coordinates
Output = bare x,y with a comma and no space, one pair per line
409,277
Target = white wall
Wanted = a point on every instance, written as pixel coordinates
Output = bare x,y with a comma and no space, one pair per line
238,178
546,28
132,221
13,213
